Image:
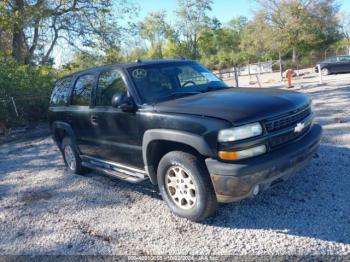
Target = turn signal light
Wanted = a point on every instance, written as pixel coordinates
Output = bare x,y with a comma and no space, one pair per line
247,153
224,155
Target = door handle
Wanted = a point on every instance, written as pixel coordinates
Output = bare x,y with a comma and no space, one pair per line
69,117
94,120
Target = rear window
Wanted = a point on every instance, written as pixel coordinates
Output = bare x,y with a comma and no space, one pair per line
60,93
82,90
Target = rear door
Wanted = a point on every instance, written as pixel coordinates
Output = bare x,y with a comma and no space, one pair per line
59,100
114,132
79,111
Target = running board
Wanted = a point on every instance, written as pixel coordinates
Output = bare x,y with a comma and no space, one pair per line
120,171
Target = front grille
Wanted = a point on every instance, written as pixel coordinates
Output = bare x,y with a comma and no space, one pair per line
284,138
287,121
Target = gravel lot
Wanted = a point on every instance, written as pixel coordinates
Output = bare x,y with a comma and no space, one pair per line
44,210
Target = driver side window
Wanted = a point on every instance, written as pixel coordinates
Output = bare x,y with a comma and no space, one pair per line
190,75
109,83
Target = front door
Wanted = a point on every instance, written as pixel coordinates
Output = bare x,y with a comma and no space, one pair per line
344,64
115,132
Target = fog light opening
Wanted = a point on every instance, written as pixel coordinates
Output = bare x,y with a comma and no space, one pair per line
256,190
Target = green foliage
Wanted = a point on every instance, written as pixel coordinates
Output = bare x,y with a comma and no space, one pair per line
105,32
155,30
30,87
192,18
33,29
296,25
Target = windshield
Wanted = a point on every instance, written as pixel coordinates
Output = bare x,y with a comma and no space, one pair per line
167,81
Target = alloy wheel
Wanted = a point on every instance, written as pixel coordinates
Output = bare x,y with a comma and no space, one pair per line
70,157
181,187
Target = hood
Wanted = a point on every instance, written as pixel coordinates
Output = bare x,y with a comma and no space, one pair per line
237,105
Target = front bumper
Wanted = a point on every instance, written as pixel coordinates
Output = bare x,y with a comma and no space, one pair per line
236,181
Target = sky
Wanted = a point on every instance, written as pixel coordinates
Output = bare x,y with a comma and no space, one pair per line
224,10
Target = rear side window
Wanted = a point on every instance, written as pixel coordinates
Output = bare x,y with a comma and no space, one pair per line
109,83
60,93
82,90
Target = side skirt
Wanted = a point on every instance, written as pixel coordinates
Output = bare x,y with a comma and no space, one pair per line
130,174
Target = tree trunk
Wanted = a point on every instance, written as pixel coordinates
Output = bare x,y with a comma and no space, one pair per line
281,66
18,35
294,55
236,75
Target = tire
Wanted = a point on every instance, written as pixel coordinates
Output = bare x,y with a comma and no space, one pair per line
325,71
71,157
185,186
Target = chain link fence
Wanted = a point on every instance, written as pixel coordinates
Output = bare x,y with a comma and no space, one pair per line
25,109
309,60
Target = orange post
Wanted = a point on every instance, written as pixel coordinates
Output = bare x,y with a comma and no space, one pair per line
289,77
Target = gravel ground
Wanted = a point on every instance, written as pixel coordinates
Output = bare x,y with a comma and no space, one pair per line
44,210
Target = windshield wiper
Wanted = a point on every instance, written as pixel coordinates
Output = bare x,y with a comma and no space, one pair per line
179,94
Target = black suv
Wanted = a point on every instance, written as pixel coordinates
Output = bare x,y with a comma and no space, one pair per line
175,123
334,65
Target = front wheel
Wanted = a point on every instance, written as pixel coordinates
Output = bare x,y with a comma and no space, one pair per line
71,157
185,186
325,71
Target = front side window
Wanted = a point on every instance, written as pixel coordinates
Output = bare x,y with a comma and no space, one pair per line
60,93
109,83
331,60
165,81
344,59
82,90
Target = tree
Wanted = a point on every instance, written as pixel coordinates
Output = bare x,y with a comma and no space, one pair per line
155,30
301,25
218,45
344,19
192,18
258,38
36,27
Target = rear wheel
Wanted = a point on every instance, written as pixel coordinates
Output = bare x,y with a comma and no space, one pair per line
325,71
185,186
71,156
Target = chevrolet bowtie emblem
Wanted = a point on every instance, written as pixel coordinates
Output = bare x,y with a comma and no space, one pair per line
299,127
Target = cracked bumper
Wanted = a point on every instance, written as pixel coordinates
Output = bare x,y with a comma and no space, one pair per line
235,181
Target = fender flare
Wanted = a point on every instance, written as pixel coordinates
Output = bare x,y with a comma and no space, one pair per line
193,140
66,127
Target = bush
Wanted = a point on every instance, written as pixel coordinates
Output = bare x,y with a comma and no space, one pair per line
30,88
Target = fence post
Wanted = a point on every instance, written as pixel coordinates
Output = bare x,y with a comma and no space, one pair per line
320,74
258,79
14,105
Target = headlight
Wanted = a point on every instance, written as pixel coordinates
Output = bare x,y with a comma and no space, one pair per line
247,153
239,133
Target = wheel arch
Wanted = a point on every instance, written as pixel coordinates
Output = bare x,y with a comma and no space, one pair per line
60,130
157,142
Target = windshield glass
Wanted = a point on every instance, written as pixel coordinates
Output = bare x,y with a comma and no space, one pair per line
167,81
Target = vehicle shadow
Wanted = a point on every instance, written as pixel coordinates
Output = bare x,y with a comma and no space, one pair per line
314,203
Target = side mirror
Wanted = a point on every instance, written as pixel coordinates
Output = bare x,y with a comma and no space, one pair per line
117,99
122,101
